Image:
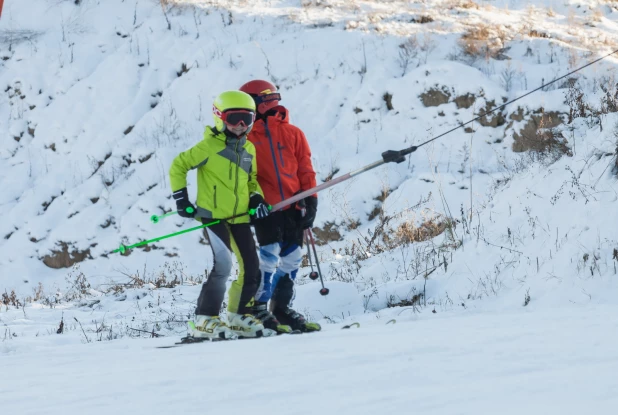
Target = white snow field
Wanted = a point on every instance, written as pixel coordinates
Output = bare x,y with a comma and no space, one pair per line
494,247
560,361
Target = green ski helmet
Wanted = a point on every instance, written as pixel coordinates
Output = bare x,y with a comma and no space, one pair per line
233,107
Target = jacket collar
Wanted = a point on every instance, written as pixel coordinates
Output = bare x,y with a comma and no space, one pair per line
230,141
281,116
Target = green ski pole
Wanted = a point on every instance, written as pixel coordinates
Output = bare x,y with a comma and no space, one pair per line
157,218
123,248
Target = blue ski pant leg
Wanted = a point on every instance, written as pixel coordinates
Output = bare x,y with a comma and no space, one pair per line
283,280
269,260
291,257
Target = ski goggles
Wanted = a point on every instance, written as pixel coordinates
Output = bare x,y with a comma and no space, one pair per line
260,99
234,118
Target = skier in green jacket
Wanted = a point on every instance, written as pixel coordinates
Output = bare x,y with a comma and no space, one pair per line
227,189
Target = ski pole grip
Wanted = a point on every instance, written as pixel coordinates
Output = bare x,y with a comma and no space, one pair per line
393,156
252,211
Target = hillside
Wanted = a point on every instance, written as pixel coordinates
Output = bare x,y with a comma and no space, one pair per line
515,209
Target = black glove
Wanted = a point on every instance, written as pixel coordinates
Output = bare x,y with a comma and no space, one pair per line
258,209
184,207
311,209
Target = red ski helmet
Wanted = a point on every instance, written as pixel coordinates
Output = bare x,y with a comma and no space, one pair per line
264,94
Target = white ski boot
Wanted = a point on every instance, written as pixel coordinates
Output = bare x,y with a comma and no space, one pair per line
210,327
246,325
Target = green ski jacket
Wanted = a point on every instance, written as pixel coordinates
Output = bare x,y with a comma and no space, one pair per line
226,175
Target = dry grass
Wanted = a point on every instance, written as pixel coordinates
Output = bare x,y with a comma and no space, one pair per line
461,4
179,3
414,300
408,232
329,232
483,41
170,275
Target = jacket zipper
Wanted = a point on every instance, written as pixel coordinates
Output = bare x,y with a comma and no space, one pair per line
236,184
280,154
272,151
215,188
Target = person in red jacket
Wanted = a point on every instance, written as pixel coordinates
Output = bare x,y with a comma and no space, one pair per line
283,169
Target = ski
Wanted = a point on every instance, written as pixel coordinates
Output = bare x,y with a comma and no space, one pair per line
357,325
193,340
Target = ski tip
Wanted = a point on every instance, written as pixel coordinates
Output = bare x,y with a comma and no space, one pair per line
268,333
284,329
259,334
232,336
349,326
312,327
393,321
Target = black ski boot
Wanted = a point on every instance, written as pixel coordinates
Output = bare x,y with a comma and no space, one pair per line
260,311
295,320
280,304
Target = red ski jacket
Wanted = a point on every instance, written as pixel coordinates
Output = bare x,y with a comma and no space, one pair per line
283,157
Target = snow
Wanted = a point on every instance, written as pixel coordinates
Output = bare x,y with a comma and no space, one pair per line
511,309
539,361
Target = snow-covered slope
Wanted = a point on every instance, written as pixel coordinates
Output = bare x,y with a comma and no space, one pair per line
504,300
97,98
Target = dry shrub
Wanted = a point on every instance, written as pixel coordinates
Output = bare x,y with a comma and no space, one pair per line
408,52
580,107
162,281
536,33
609,101
414,300
315,3
615,169
377,211
543,141
408,232
78,283
38,293
329,232
422,19
10,299
461,4
483,41
388,99
540,134
174,3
